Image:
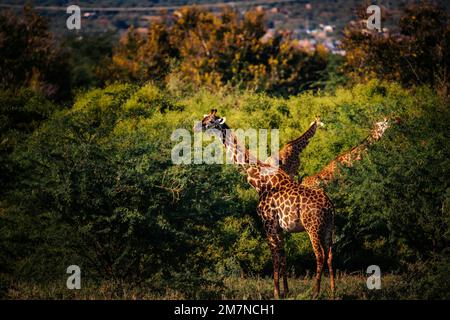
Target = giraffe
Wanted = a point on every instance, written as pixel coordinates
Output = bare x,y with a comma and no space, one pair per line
288,157
329,172
284,205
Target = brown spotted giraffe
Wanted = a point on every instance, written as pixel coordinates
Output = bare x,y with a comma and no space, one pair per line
288,157
284,205
329,172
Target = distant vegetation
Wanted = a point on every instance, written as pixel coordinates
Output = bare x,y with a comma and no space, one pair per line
30,56
202,49
87,177
418,53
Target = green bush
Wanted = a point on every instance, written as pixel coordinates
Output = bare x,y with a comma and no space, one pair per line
95,186
393,205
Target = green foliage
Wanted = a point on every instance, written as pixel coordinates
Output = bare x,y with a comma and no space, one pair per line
21,112
95,186
89,57
395,202
241,247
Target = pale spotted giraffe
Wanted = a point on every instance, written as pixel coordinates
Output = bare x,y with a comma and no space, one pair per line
346,159
284,205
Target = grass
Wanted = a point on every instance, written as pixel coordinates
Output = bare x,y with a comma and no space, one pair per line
348,286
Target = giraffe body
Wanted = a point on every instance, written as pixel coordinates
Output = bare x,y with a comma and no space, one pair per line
285,205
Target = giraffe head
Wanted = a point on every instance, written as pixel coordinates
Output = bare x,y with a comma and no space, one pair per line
210,121
379,128
317,122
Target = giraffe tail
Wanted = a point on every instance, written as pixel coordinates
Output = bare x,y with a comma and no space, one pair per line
333,232
330,237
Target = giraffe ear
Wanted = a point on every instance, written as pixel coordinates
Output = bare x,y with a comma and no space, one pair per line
222,120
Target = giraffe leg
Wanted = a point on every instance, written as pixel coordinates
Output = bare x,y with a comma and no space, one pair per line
275,244
329,247
320,257
283,272
330,268
276,270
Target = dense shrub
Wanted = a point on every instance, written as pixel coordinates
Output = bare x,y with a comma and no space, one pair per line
394,204
95,186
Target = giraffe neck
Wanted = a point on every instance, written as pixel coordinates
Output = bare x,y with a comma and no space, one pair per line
303,140
261,176
239,153
348,158
377,132
310,132
355,154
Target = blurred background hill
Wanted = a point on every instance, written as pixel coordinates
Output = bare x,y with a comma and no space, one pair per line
320,19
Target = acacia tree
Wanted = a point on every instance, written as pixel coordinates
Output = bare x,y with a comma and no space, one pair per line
139,58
